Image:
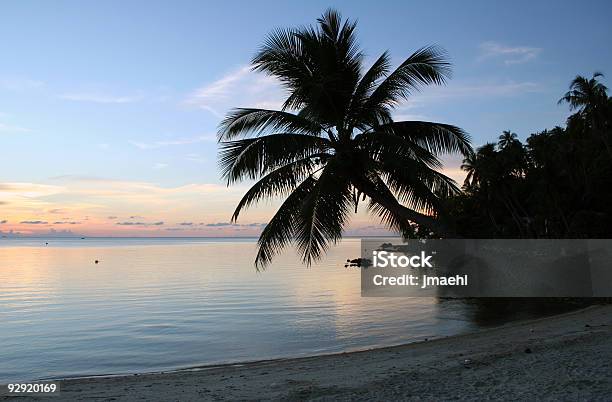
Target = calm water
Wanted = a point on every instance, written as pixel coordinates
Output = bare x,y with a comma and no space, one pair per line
158,304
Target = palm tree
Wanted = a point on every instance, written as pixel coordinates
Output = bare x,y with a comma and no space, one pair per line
479,166
512,154
586,95
470,166
590,98
334,141
507,139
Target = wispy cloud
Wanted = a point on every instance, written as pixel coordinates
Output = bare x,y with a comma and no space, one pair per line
496,89
174,142
238,88
226,224
411,110
199,227
509,54
468,90
28,190
195,158
108,206
208,96
9,128
19,84
160,165
94,97
129,223
134,191
219,224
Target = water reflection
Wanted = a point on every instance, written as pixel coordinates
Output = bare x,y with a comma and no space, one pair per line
165,304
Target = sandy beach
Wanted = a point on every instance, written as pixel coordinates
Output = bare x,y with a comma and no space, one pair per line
564,357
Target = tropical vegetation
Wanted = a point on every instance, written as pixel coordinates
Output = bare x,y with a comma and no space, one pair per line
558,184
334,143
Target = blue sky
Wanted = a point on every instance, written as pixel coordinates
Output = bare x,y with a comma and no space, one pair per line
110,108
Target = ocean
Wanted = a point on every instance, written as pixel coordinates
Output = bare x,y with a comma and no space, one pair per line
164,304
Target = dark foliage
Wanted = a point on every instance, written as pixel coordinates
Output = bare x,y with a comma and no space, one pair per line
556,185
334,142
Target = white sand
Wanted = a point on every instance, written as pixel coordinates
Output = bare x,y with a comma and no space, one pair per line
570,359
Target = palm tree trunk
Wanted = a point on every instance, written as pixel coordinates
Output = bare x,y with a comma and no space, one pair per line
393,206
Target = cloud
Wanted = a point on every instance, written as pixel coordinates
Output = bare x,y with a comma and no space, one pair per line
18,84
228,227
48,233
34,222
115,188
139,224
9,128
111,201
177,141
28,190
57,233
195,158
159,166
100,98
2,222
219,224
66,223
208,96
225,224
463,91
457,90
509,54
240,87
508,88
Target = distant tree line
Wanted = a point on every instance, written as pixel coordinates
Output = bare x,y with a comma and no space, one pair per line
558,184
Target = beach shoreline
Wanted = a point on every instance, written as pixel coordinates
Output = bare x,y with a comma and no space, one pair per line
566,356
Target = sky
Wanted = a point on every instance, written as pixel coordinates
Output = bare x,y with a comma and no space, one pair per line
108,110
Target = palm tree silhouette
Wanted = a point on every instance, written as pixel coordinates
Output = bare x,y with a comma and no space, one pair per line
507,139
334,141
479,166
586,95
470,166
590,98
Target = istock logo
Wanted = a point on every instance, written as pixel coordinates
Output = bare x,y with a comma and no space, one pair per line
384,259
